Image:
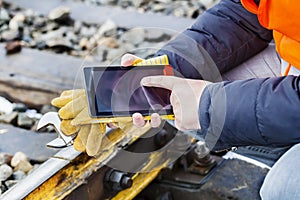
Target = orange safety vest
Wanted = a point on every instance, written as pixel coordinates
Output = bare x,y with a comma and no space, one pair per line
283,17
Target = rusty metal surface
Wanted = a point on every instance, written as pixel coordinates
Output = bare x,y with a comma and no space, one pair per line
40,175
59,176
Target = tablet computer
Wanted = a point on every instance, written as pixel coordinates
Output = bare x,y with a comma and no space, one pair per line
116,91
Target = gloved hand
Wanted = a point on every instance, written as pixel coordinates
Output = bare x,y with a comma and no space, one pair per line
75,116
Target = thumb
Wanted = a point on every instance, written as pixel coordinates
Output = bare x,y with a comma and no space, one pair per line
166,82
129,59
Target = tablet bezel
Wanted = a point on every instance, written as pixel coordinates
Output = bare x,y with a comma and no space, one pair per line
91,96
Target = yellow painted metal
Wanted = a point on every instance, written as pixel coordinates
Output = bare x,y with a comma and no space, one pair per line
75,173
142,180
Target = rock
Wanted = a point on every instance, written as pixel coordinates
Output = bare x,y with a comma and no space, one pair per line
179,12
5,106
101,53
17,22
84,43
109,28
60,15
9,118
39,22
59,45
158,7
51,35
33,114
17,158
77,26
40,45
88,31
164,1
19,175
109,42
207,3
24,121
47,108
133,36
138,3
5,172
13,47
24,166
156,35
35,166
5,158
4,15
128,46
10,183
72,37
20,162
19,107
114,54
107,2
9,35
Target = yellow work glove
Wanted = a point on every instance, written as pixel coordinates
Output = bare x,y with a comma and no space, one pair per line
75,116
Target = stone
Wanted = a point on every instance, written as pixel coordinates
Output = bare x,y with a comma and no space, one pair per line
4,15
5,106
59,45
5,158
164,1
39,22
87,31
158,7
5,172
19,175
13,47
24,166
19,107
156,35
17,22
60,14
133,36
17,158
35,166
9,35
109,42
77,26
48,108
33,114
139,3
179,12
10,183
115,54
24,121
72,37
9,118
207,3
109,28
51,35
84,43
20,162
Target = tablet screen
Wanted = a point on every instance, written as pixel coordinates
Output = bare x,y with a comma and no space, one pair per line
116,91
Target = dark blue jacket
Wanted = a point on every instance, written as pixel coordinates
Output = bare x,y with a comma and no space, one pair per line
238,113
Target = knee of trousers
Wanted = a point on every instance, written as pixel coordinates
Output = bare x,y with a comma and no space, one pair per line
282,181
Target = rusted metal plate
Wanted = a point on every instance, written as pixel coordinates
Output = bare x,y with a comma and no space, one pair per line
67,170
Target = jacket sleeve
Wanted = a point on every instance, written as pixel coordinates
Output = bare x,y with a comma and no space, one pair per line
251,112
227,32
